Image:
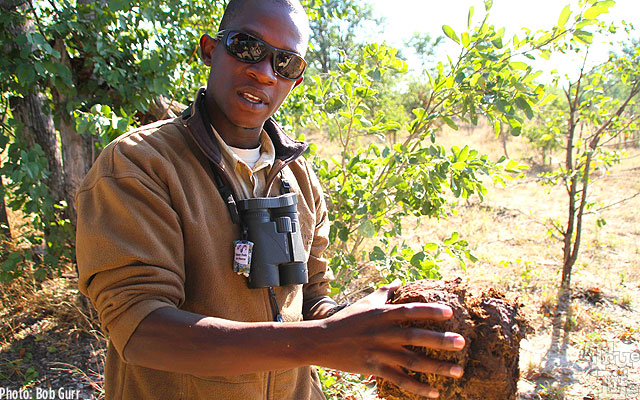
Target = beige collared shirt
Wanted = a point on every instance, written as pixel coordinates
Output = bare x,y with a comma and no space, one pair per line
253,181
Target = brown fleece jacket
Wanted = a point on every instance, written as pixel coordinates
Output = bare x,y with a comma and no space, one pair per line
153,231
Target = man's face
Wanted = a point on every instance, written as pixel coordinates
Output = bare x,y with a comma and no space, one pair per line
242,95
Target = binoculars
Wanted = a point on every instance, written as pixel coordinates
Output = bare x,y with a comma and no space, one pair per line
278,257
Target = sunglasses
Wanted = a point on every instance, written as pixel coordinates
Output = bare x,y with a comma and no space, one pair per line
249,49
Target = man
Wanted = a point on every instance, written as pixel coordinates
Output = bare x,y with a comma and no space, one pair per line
155,243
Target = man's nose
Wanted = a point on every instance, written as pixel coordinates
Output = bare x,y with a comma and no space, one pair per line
263,71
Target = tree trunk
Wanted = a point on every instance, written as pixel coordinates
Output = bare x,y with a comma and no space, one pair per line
77,152
163,108
567,263
38,128
503,137
5,228
33,113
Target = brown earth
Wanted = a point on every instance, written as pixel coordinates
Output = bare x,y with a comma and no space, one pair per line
491,324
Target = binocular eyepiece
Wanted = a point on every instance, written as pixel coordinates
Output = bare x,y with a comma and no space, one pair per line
278,257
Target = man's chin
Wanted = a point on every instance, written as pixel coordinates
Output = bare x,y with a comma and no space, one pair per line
250,124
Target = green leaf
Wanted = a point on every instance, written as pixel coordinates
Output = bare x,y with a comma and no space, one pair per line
470,15
343,234
11,262
465,39
26,76
518,65
21,40
376,75
600,7
430,247
564,16
119,5
451,34
470,256
464,154
451,240
367,229
450,123
377,254
583,36
524,105
123,124
458,165
333,105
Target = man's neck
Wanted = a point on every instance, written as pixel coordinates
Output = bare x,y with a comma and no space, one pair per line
233,135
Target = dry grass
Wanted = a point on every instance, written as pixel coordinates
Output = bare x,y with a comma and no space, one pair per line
49,336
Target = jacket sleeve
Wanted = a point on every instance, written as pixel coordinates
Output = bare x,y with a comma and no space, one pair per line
320,274
129,250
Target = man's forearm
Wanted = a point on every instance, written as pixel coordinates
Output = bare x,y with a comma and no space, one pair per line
370,337
173,340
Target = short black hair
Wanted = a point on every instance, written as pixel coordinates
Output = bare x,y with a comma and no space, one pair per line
235,6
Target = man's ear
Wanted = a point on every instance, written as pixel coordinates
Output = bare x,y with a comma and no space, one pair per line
299,81
207,44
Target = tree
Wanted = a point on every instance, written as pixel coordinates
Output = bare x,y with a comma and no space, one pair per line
372,185
334,25
424,46
78,75
592,118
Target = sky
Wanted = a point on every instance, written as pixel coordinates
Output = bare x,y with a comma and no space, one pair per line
404,17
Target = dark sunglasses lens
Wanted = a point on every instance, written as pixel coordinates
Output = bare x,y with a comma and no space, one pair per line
289,65
249,49
245,47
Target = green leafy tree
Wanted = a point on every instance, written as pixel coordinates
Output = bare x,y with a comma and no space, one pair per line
75,76
424,46
334,25
544,131
373,185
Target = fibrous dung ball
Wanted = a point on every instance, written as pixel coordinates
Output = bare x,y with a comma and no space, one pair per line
492,326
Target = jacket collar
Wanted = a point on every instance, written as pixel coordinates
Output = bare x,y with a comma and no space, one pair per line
196,119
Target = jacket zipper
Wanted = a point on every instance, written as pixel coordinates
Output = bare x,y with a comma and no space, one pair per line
277,167
267,397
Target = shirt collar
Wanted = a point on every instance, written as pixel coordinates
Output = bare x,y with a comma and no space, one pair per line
267,152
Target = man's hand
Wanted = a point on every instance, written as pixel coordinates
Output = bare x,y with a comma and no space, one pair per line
367,338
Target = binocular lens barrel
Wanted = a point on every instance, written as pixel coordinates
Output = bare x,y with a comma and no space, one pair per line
278,257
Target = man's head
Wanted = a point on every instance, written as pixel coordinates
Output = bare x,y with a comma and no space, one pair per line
243,95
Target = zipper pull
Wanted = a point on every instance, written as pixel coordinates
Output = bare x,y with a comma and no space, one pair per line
274,305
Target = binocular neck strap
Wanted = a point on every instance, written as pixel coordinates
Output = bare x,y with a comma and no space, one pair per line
274,305
226,194
285,187
229,198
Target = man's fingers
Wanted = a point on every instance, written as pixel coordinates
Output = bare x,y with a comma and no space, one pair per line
420,363
419,337
417,311
406,382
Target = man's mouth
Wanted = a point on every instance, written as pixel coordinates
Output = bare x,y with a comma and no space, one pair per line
251,98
